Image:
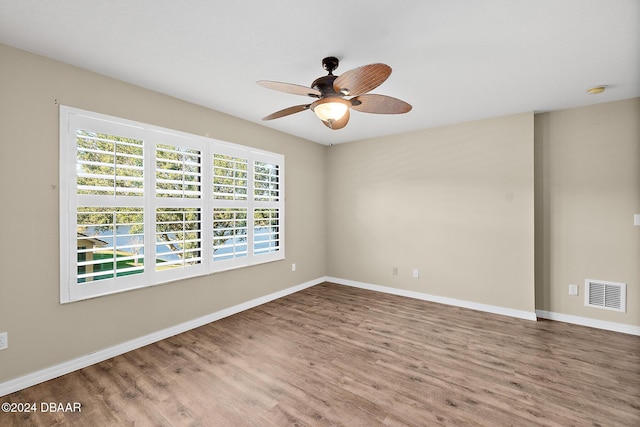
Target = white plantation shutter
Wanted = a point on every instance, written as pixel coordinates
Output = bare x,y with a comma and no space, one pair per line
102,206
267,231
141,205
179,230
109,164
119,248
178,206
229,177
178,172
266,182
230,233
268,207
248,207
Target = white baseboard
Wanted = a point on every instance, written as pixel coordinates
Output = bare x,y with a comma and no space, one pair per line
592,323
521,314
55,371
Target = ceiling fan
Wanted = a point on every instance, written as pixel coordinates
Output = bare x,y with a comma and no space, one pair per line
336,94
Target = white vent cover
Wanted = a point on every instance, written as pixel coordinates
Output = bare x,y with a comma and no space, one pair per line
607,295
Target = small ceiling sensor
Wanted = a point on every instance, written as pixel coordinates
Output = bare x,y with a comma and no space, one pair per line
596,90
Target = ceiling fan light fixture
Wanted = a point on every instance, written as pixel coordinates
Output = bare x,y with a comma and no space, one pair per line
331,106
330,109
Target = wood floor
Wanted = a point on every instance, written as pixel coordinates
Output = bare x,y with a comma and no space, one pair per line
335,355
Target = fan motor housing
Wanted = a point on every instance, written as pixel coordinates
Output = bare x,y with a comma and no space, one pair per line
325,85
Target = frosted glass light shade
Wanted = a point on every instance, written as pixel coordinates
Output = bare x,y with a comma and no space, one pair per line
330,111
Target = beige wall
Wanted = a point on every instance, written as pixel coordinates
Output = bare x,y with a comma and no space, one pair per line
455,202
587,191
42,332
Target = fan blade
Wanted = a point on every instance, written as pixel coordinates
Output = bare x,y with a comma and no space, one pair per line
290,88
286,112
339,124
362,79
379,104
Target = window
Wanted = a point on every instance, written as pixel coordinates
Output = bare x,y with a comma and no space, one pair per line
142,205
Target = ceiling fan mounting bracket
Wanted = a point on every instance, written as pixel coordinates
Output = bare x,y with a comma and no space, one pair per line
330,63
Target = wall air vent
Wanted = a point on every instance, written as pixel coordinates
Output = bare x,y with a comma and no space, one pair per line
607,295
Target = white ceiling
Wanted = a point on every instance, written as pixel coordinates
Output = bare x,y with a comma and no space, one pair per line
453,60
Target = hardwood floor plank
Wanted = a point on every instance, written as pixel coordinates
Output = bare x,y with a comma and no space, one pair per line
332,355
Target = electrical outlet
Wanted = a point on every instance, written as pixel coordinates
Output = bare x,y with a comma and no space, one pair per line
4,340
293,267
416,273
395,271
573,290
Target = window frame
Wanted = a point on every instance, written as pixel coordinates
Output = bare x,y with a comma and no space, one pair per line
72,119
